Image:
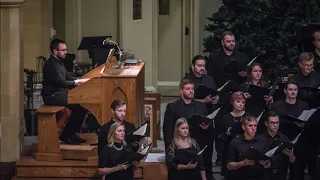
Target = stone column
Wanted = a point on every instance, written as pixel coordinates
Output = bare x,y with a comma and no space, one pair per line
11,89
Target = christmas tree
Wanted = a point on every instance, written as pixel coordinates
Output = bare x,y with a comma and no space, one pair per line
259,26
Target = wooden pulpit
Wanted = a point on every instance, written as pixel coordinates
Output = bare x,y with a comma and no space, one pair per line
110,82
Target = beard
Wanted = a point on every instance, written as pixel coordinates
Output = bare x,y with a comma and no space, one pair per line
189,97
229,48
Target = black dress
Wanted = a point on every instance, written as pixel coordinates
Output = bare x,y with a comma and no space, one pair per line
235,123
110,157
172,162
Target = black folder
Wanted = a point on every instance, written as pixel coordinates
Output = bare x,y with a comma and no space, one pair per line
204,91
196,120
234,67
253,154
187,155
138,134
287,145
311,89
131,156
258,92
304,117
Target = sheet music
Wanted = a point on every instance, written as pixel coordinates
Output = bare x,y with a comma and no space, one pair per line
142,130
253,60
223,85
200,152
306,114
145,150
296,139
271,152
259,117
214,113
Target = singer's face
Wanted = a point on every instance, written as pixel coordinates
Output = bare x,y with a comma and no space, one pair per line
188,91
256,73
120,112
316,40
183,130
250,127
291,91
229,42
306,66
119,133
61,52
273,123
239,104
200,67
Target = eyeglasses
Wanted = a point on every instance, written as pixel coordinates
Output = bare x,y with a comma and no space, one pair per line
273,123
63,50
307,65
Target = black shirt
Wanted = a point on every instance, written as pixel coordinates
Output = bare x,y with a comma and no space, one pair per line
178,109
110,157
215,68
240,145
283,108
311,80
56,79
279,160
104,130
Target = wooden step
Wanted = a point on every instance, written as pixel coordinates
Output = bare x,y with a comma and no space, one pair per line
27,168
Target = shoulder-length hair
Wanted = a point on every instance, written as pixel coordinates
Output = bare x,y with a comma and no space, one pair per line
175,140
111,134
262,82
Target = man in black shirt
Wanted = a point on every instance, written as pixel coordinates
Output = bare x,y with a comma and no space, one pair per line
240,167
280,160
186,107
118,109
197,75
216,69
55,86
307,78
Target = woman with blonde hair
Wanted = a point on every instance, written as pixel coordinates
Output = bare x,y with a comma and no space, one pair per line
180,168
110,165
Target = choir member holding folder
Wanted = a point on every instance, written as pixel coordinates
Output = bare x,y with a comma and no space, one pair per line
201,129
256,90
183,156
308,80
232,125
284,155
205,87
111,164
246,159
118,109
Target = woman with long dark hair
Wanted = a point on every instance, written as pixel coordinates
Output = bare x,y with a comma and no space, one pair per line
255,105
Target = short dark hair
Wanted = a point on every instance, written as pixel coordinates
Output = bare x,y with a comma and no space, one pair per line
195,59
223,34
184,82
314,33
117,103
271,114
290,82
248,118
306,56
54,44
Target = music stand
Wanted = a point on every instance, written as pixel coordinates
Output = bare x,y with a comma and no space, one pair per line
97,51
